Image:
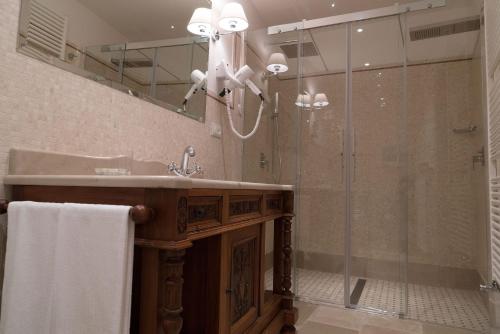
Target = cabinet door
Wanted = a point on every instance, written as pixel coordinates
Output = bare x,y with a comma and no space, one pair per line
242,285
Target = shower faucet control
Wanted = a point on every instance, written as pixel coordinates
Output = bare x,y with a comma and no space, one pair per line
184,170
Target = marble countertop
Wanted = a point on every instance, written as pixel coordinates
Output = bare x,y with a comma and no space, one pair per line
137,181
40,168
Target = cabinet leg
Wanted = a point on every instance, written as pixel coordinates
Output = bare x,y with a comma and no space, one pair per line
288,329
170,285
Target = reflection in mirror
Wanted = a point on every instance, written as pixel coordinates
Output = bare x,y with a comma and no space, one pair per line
142,48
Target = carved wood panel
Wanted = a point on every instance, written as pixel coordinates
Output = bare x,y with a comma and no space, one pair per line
242,279
244,207
182,215
204,212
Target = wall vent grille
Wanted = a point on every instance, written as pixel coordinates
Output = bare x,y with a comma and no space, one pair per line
308,50
445,29
46,30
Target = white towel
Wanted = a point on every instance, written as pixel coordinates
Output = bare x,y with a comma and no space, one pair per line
68,269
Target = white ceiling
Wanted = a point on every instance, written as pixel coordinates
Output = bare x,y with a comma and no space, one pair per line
146,20
380,43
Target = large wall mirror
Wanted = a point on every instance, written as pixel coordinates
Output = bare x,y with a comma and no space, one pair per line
141,47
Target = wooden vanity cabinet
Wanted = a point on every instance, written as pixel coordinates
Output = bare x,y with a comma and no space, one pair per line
241,283
199,264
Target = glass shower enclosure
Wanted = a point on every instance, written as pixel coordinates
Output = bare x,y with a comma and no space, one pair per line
389,216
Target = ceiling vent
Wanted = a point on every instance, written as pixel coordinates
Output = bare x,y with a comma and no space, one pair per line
308,50
133,63
445,29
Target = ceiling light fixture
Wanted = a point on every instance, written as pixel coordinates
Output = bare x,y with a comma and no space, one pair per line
360,30
367,64
333,4
277,63
233,18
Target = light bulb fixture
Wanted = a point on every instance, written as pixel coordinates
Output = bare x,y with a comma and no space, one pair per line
367,64
201,22
233,18
303,101
360,30
320,100
277,63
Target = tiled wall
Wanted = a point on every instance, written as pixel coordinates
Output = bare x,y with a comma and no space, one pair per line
43,107
446,223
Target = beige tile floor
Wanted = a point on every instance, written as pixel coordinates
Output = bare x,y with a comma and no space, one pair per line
319,319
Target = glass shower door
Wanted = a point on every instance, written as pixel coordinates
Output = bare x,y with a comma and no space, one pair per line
319,248
376,123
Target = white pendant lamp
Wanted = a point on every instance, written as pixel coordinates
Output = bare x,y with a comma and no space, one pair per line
233,18
320,100
303,100
201,22
277,63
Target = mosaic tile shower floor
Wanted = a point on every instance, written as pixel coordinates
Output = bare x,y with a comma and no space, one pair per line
444,306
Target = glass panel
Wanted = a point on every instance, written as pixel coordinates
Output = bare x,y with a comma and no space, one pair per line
104,61
448,227
378,169
137,68
173,80
320,257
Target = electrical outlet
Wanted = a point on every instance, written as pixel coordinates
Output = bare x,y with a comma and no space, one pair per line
215,130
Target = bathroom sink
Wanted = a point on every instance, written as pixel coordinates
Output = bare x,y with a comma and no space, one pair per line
30,162
28,167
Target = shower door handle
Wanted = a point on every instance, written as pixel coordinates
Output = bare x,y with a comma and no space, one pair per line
353,155
342,157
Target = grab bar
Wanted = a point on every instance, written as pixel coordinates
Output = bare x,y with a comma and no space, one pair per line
140,214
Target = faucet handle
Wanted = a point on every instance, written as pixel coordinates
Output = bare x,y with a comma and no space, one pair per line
172,166
196,170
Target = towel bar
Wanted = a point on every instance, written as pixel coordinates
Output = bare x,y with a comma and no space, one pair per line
140,214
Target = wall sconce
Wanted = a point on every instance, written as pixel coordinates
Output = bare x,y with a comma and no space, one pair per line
201,22
320,100
306,101
232,19
303,101
277,63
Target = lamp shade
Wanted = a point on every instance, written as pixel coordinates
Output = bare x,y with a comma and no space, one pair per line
233,18
303,100
201,22
320,100
277,63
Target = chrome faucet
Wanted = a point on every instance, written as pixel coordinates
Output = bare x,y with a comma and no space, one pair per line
184,170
